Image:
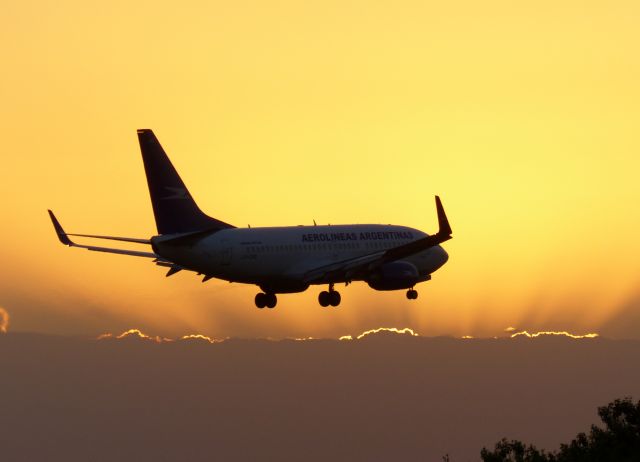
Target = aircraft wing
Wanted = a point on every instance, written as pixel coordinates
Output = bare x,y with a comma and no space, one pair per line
64,238
354,267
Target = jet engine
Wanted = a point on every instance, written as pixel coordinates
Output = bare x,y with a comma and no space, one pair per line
394,276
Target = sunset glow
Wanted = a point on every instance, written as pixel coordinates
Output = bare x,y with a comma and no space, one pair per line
562,334
138,334
432,207
134,333
394,330
522,116
4,321
201,337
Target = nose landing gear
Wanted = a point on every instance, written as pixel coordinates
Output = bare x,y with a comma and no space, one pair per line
412,294
266,300
332,297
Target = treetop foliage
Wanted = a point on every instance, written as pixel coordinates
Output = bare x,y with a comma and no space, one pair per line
618,441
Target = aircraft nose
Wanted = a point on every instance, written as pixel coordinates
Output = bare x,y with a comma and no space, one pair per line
443,256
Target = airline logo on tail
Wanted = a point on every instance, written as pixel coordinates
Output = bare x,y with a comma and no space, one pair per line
178,193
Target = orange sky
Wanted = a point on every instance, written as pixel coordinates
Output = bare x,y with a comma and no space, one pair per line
523,117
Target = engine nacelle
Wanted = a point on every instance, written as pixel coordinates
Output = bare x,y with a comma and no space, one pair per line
395,276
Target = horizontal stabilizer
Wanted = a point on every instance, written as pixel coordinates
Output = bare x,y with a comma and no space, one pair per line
64,238
114,238
133,253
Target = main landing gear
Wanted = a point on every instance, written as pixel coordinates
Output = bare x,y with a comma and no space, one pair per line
332,297
268,300
412,294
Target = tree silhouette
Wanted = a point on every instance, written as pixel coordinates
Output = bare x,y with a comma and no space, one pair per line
513,451
618,441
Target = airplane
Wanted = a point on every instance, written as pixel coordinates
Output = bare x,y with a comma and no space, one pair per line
279,260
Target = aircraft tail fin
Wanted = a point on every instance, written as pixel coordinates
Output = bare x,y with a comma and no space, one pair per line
174,209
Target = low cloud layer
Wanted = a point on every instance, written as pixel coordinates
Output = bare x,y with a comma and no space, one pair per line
137,334
387,396
4,321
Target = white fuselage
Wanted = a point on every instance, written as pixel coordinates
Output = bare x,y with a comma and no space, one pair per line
259,255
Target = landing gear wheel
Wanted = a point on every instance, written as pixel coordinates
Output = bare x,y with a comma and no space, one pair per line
412,294
261,300
334,298
324,298
272,300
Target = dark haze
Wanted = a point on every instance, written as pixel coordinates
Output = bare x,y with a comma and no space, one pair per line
385,397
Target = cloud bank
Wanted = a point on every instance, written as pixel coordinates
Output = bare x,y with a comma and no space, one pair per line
4,320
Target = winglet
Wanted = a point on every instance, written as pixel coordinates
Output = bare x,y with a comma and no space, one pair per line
443,222
59,231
